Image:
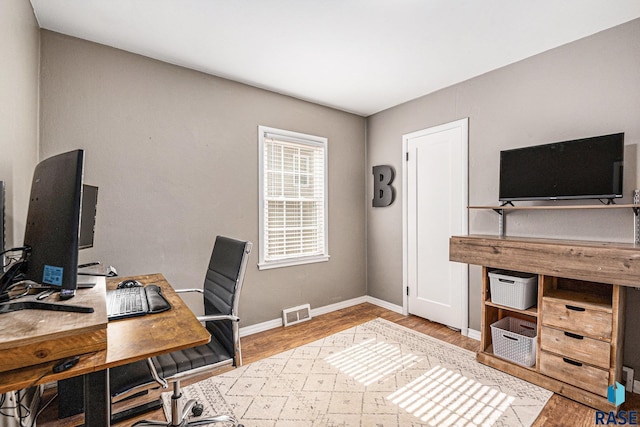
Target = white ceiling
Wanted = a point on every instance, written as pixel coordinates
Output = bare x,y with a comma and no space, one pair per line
361,56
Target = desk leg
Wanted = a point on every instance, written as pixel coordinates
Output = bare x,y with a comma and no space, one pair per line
96,399
70,397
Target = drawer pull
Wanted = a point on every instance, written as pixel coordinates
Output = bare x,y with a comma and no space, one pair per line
576,336
511,338
506,280
574,308
571,362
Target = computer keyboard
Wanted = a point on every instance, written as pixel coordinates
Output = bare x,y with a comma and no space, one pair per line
126,302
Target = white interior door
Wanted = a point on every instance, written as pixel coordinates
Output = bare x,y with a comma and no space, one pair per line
435,206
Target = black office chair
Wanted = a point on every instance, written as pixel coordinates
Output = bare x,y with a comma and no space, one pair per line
221,293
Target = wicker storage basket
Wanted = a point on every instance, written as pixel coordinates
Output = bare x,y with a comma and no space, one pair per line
515,340
513,289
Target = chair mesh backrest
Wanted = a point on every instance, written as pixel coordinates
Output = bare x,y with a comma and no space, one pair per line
222,286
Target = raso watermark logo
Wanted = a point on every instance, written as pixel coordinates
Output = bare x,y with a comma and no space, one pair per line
616,395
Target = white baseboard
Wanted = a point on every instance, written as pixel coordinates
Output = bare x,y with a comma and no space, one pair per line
260,327
472,333
276,323
338,306
385,304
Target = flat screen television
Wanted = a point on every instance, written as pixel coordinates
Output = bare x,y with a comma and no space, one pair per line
588,168
53,221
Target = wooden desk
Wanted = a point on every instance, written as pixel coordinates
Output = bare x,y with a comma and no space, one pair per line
32,337
128,340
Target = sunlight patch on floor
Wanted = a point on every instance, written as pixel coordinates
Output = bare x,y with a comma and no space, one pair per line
371,361
444,398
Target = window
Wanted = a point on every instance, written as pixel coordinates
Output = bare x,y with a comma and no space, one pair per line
293,198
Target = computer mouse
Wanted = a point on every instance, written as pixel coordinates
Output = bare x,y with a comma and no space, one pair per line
129,284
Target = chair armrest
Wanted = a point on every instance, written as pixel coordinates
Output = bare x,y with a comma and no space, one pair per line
182,291
213,317
155,375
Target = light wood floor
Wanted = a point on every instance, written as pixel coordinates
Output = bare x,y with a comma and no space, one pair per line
558,412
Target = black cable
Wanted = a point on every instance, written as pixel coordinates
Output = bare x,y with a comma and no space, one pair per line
3,397
24,256
19,405
42,408
10,276
2,407
19,248
28,410
8,293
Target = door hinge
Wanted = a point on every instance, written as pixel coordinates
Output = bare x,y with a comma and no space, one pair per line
407,291
407,156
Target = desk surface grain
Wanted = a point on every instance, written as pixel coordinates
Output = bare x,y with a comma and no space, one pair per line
154,334
128,340
31,326
31,337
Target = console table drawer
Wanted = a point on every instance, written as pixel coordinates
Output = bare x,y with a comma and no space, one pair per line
579,318
576,347
576,373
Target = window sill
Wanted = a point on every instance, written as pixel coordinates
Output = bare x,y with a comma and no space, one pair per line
267,265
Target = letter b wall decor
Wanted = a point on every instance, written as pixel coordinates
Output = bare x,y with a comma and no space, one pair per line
383,193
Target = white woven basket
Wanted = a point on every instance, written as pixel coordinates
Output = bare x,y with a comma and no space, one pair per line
513,289
515,340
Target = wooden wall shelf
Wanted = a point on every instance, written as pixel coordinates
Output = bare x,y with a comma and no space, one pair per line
502,211
555,207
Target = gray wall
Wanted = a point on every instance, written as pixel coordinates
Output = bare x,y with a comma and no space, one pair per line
586,88
175,155
20,52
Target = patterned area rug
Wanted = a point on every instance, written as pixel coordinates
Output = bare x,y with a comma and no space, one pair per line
376,374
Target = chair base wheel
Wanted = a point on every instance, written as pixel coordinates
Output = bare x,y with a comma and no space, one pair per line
197,409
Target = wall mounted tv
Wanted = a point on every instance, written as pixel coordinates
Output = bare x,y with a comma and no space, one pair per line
588,168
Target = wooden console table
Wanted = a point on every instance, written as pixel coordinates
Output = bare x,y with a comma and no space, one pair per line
579,315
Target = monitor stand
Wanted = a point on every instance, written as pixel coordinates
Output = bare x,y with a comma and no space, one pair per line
8,307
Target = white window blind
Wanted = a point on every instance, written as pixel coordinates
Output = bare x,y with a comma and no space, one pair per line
293,198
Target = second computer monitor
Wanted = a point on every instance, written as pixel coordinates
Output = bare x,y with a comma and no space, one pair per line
88,216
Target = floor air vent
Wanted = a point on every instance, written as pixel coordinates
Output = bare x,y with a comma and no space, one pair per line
293,315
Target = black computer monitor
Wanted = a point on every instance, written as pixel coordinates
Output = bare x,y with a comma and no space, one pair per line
88,216
53,221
